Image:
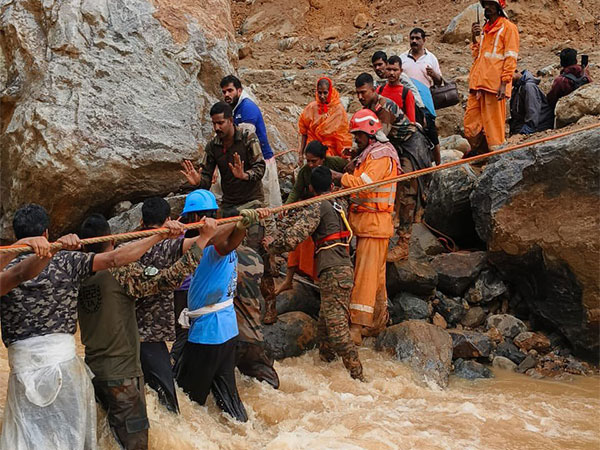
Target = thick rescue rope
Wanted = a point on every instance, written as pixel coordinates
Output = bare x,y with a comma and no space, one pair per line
302,203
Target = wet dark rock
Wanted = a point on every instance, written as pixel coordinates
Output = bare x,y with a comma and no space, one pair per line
293,334
423,244
301,298
448,206
474,317
508,325
410,276
452,309
537,209
470,344
406,307
510,351
471,370
487,288
456,271
427,349
529,362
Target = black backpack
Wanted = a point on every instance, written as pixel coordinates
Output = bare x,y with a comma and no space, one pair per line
576,82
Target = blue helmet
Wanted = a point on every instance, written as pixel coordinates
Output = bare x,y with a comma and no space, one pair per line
200,200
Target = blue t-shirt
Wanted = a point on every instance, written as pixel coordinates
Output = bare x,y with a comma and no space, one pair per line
425,93
214,281
247,111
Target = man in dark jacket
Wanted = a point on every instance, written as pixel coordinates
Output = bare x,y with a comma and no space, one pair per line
529,109
572,76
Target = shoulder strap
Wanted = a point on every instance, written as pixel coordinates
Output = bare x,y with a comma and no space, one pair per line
380,89
570,76
404,94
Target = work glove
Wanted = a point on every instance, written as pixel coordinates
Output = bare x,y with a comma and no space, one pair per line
249,217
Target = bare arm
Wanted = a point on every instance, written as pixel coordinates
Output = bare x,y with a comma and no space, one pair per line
39,244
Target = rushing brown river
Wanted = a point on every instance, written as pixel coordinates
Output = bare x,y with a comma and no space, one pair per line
319,406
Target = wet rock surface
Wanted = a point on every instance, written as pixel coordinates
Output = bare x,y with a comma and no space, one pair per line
301,298
456,271
508,325
470,344
541,225
471,370
487,288
510,351
451,309
427,349
410,276
406,307
292,334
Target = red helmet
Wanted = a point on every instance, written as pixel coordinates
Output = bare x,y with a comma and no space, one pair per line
366,121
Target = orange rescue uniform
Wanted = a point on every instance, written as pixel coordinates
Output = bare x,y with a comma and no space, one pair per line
371,221
495,60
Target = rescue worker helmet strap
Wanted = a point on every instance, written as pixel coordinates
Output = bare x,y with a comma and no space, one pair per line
200,200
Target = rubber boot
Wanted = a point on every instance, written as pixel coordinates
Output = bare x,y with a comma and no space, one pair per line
400,251
270,310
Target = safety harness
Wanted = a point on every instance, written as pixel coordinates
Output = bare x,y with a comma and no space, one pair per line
345,235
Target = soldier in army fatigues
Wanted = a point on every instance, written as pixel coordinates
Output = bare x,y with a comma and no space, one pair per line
325,223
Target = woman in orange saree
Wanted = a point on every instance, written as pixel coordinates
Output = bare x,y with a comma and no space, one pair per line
325,120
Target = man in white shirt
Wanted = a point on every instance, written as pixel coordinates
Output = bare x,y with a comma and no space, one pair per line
419,63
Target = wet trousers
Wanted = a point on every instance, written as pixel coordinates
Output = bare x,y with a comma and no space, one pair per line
485,121
368,303
333,328
158,373
125,404
408,205
203,368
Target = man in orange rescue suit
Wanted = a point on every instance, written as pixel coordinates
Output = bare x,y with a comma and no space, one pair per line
371,220
490,79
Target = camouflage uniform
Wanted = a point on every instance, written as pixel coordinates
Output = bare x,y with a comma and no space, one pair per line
251,357
335,274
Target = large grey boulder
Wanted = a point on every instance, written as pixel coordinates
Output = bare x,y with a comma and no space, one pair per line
130,219
459,28
456,271
448,206
300,298
537,209
102,100
406,307
410,276
584,101
427,349
292,334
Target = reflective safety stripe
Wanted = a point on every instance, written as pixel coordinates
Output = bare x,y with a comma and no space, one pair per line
366,178
363,308
508,54
378,200
384,189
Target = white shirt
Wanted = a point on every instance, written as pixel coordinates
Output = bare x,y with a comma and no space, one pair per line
418,69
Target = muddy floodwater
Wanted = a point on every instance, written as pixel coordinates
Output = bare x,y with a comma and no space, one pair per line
319,406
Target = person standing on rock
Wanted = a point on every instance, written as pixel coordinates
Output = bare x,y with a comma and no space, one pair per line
207,362
326,224
238,155
109,329
371,221
379,64
415,152
325,120
423,67
490,79
247,112
50,398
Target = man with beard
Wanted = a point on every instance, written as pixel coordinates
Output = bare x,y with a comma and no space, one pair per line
490,80
371,221
247,112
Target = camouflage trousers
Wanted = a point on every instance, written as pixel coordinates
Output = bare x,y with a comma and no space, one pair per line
125,404
333,328
409,204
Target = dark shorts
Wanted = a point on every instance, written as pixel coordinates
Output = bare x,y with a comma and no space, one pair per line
431,130
125,405
204,368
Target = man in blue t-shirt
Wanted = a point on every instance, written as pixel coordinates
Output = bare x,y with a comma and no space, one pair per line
207,362
245,111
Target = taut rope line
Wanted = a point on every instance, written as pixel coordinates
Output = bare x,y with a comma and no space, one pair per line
302,203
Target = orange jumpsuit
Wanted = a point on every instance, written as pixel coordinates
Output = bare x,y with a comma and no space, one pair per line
371,221
495,60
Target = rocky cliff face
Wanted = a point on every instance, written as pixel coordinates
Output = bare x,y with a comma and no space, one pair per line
538,212
101,100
